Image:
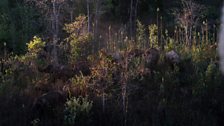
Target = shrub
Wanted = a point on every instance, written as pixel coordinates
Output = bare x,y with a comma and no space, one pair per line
140,35
80,84
153,36
77,111
35,45
170,45
79,39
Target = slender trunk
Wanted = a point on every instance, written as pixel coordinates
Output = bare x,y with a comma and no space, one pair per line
194,38
88,14
96,19
57,25
131,20
136,9
203,35
158,27
214,34
190,36
96,34
206,27
71,15
135,17
221,43
161,33
55,30
124,92
186,35
109,39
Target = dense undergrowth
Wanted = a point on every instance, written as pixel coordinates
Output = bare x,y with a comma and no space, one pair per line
136,84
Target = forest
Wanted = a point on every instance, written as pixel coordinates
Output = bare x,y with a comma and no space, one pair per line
110,63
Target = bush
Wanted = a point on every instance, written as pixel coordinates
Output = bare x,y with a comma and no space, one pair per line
153,36
79,39
35,45
140,35
77,111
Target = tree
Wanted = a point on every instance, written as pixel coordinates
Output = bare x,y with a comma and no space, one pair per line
71,9
188,17
79,39
52,11
88,13
97,15
133,16
221,44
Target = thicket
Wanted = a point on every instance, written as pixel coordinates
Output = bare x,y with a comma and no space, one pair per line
115,79
124,87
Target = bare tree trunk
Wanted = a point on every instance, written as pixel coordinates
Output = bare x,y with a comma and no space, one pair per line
88,14
125,91
136,9
131,20
221,43
96,34
159,25
186,35
135,17
206,32
55,30
161,33
71,15
51,10
190,36
96,19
